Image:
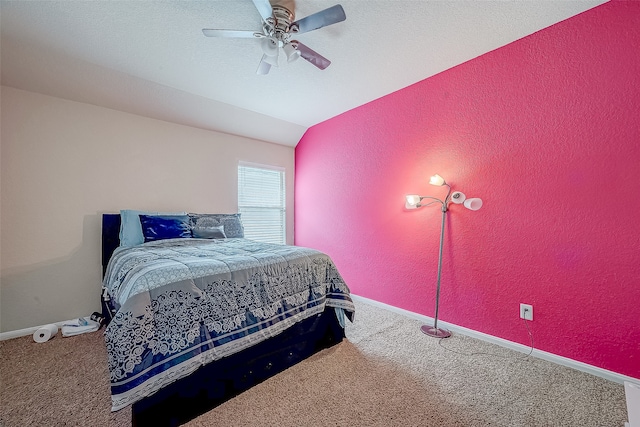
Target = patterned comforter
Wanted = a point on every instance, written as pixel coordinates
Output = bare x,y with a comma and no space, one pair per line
182,303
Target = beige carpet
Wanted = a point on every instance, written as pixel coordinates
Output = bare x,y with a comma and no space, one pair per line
387,373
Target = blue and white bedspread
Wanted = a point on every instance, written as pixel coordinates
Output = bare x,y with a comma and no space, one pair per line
183,303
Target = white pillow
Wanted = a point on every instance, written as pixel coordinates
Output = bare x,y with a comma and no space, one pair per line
130,227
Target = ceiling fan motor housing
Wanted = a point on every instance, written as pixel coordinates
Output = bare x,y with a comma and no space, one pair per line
281,26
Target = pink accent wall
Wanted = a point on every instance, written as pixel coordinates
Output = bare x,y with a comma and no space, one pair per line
546,131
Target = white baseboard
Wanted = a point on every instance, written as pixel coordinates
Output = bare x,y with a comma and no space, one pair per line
560,360
29,331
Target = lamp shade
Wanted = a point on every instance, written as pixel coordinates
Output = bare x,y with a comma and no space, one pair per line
458,197
291,52
473,204
412,201
436,180
270,46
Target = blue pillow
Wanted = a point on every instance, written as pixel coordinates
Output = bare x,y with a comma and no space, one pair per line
158,227
130,228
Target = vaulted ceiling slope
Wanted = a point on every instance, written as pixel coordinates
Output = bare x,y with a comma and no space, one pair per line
151,58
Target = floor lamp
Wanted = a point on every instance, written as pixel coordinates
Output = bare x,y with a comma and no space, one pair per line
413,201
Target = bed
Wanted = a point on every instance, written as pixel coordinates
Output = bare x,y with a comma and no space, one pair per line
194,321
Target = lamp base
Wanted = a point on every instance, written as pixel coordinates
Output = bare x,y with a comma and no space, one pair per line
435,332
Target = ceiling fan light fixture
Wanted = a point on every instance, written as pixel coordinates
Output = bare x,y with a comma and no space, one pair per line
291,52
271,59
270,46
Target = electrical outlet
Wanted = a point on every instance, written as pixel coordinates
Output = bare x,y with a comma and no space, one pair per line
526,311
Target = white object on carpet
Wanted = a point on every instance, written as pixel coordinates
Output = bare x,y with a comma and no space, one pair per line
45,333
79,326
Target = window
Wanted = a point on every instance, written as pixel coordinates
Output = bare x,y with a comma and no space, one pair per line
261,201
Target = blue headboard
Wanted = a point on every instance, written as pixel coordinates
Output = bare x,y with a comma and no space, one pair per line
110,237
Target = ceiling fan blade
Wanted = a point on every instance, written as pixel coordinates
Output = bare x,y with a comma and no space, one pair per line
263,67
264,8
320,19
230,33
312,56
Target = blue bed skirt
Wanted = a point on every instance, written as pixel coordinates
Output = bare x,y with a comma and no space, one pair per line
223,379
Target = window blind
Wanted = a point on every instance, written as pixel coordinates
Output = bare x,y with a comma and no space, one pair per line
261,202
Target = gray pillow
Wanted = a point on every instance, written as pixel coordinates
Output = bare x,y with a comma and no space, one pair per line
231,222
210,232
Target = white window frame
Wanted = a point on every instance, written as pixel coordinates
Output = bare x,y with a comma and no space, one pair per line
264,219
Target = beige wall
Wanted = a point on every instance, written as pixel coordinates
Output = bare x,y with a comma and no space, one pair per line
65,163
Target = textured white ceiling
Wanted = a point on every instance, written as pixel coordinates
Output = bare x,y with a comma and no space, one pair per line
151,58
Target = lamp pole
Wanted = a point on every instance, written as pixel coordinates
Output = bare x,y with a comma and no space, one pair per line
414,201
434,331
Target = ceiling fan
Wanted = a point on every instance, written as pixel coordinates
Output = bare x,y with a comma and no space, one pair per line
278,27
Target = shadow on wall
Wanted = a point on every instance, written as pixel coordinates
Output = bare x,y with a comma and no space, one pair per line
56,290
